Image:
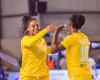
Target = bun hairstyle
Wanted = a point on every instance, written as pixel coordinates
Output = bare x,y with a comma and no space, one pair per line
26,18
25,21
77,20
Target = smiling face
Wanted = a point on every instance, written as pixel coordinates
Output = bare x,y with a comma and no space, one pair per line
33,27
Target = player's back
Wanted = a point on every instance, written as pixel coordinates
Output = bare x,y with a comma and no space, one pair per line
77,54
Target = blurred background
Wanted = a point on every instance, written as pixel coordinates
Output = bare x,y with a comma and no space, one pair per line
46,11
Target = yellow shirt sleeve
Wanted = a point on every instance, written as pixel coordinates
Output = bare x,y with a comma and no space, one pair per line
28,42
66,42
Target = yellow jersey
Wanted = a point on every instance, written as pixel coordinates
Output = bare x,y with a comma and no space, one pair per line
77,47
34,55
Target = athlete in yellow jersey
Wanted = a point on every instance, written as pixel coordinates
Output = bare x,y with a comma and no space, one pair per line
34,51
76,46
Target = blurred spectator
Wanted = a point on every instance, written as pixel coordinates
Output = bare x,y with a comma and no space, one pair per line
62,62
98,61
92,67
20,61
2,73
51,63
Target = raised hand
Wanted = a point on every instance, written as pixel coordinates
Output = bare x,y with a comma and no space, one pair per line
52,27
60,28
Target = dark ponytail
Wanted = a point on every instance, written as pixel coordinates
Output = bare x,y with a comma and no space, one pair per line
77,20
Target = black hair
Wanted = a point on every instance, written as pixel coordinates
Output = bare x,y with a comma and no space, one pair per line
77,20
26,20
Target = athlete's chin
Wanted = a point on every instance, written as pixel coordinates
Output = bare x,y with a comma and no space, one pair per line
36,33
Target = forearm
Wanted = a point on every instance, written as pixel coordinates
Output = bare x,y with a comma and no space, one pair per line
33,39
54,43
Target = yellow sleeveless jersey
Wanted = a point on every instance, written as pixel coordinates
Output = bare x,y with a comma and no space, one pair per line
34,54
77,47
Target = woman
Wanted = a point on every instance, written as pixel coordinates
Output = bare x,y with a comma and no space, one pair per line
34,51
77,46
